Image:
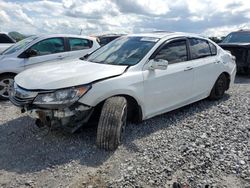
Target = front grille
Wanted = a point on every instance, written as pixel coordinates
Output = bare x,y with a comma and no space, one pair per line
20,102
21,97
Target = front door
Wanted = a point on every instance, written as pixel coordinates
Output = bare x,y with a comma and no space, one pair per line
168,89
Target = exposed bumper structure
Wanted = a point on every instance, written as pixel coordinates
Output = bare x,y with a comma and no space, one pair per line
69,118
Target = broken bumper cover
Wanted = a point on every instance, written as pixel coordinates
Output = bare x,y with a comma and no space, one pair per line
69,117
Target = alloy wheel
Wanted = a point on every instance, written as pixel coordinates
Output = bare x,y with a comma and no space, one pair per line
4,87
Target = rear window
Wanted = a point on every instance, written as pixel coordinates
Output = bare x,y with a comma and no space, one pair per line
5,39
199,48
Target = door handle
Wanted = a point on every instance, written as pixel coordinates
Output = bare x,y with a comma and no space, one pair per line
188,68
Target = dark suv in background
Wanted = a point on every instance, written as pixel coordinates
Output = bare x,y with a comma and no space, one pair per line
105,39
238,43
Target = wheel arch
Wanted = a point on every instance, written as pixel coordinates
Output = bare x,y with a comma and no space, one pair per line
134,109
228,79
135,113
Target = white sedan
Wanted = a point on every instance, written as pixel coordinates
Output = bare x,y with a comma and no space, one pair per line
133,78
38,50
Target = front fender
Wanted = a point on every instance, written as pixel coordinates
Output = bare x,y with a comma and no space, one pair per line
122,85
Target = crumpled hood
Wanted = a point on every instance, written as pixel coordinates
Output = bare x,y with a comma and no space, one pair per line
63,75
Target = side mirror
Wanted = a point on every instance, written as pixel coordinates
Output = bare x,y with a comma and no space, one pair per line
31,53
158,64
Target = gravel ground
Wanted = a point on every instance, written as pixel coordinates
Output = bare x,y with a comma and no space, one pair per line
202,145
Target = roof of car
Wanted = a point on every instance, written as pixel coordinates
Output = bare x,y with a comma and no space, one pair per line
109,35
65,35
242,31
163,34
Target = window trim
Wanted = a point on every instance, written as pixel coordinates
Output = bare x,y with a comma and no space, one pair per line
216,49
169,41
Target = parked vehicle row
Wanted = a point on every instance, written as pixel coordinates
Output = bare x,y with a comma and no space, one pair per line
5,41
41,50
132,78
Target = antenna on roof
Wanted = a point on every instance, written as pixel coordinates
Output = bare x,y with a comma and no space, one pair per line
80,32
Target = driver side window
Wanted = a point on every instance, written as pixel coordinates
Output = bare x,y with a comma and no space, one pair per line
173,52
49,46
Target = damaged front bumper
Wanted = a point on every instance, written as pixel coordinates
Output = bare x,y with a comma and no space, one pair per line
70,118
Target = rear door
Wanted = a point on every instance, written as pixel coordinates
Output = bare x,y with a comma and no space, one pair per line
170,88
78,47
48,50
206,65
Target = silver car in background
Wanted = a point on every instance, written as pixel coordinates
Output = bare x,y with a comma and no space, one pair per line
38,50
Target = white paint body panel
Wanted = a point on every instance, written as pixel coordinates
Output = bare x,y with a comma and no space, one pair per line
156,91
171,84
66,74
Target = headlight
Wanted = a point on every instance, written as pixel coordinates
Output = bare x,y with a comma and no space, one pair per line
61,97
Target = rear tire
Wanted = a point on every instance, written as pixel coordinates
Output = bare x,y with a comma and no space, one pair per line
219,88
112,123
5,82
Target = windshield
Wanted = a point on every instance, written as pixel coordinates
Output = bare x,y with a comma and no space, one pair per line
19,45
123,51
237,37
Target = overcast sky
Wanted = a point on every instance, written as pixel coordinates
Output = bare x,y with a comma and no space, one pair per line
208,17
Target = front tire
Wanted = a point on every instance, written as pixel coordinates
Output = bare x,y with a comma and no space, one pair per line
112,123
5,82
219,88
